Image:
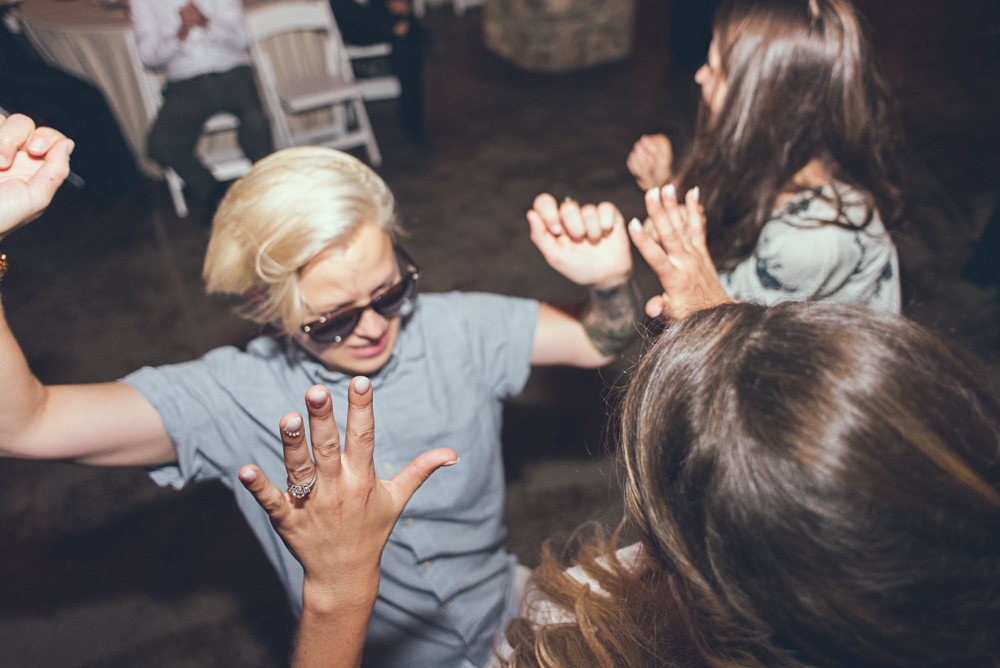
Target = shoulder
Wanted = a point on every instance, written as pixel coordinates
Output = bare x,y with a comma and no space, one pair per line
474,309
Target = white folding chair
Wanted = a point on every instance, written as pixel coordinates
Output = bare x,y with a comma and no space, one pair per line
382,87
334,89
225,164
374,88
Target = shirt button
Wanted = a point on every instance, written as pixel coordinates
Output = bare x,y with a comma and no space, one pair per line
426,564
387,468
408,521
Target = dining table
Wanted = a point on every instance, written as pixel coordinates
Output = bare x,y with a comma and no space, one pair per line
91,40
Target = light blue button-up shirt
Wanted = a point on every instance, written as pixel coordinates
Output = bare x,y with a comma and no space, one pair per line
447,583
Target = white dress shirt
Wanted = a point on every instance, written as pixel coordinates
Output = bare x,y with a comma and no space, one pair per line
219,47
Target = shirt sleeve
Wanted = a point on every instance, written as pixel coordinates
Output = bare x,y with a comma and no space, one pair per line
198,416
227,25
500,332
155,36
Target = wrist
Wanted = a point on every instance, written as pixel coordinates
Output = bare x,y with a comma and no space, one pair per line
353,593
612,282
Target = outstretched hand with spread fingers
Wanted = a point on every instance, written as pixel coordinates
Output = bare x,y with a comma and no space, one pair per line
33,164
586,244
673,243
338,527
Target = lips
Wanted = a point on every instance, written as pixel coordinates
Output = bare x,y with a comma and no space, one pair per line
372,350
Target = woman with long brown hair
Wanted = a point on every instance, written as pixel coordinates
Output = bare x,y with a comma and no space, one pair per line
794,154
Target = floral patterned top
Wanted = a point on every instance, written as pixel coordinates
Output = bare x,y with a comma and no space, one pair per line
800,256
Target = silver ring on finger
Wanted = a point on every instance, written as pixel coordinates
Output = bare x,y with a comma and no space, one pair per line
301,491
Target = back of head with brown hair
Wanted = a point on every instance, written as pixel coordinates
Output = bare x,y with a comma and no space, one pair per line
815,486
802,84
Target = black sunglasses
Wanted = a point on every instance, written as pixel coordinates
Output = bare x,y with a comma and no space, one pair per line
333,327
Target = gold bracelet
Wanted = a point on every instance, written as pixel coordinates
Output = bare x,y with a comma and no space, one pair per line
3,264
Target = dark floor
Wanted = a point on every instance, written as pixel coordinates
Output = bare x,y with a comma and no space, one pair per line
101,568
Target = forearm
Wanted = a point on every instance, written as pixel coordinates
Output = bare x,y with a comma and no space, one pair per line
157,42
609,318
332,631
228,26
105,424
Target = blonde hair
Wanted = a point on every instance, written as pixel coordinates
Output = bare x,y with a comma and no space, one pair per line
290,207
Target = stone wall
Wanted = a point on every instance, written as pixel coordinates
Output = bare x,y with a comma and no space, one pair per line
558,35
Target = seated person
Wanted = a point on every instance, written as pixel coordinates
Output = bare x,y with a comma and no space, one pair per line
308,234
391,21
804,494
203,48
795,156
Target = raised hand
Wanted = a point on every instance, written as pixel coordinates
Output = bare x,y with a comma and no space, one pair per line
675,249
588,244
33,164
651,161
338,529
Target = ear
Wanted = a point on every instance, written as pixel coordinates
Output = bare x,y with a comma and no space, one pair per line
256,295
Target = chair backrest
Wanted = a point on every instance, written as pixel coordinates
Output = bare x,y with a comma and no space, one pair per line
272,20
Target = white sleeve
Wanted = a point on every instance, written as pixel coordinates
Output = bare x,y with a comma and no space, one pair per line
155,36
227,24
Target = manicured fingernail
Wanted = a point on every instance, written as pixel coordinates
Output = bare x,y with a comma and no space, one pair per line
635,226
695,193
36,145
362,385
72,145
452,462
656,312
317,398
248,476
654,193
671,191
293,428
4,162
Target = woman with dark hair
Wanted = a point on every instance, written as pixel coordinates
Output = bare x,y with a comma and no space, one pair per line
811,485
794,152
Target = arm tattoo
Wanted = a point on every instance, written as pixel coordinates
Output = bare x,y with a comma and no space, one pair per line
609,318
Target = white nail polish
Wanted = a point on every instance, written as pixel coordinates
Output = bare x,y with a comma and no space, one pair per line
362,385
671,191
655,194
293,428
319,396
635,225
451,463
695,193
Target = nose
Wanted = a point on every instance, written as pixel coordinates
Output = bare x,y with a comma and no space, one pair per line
701,76
371,326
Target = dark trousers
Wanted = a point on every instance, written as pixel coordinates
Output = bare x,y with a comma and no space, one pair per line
373,23
187,104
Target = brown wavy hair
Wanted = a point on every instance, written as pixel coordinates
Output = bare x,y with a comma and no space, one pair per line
802,84
813,485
